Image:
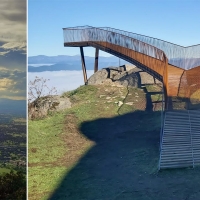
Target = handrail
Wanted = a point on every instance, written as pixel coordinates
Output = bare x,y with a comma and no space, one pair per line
77,27
182,57
131,38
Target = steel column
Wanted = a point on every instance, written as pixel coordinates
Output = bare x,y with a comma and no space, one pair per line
83,65
96,60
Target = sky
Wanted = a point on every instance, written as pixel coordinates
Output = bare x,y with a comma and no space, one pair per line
13,49
175,21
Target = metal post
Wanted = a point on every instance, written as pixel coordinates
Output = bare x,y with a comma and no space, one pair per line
96,60
83,65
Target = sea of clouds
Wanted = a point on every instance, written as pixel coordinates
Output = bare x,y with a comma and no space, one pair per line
62,80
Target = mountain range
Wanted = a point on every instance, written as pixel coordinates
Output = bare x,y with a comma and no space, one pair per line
64,62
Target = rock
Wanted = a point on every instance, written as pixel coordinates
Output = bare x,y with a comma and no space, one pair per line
108,97
42,106
119,85
98,78
130,67
120,103
129,103
125,76
108,81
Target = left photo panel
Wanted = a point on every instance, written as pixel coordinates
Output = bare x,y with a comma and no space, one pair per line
13,131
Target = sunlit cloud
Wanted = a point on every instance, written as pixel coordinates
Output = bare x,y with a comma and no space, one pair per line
13,49
14,46
12,84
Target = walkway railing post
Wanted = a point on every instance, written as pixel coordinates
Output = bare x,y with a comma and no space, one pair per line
96,60
166,83
83,66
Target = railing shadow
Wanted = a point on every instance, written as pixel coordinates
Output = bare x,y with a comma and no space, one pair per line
125,154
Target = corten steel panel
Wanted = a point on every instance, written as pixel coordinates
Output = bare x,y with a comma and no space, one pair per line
174,77
190,84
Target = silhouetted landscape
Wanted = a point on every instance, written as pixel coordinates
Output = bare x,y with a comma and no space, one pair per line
15,108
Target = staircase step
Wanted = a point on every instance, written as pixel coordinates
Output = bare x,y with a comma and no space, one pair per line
180,162
175,139
175,166
181,139
177,157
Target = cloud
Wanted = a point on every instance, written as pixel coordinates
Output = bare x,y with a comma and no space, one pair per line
13,49
15,46
13,21
12,84
62,80
13,60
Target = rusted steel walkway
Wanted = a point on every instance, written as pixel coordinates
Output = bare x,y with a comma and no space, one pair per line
176,66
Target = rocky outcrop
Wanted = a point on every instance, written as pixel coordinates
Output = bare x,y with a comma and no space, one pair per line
44,105
126,75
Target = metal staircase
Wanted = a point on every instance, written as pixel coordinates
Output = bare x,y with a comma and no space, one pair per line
181,139
195,130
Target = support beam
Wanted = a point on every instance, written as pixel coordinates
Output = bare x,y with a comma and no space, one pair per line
96,60
83,66
165,81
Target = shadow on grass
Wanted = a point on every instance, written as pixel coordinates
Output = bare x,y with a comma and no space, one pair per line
126,151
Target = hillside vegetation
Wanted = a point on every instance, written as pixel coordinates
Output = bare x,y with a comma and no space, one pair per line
105,147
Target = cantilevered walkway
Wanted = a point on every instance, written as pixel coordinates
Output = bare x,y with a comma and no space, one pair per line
176,66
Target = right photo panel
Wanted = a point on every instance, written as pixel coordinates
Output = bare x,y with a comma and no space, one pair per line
113,100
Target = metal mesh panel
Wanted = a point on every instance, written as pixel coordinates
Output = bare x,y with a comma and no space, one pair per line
183,57
95,34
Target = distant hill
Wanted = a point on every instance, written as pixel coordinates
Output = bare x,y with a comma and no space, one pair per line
64,62
41,59
13,107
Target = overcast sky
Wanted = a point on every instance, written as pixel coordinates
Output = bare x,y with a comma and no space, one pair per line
13,49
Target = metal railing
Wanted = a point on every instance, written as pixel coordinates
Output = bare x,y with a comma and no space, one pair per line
182,57
88,33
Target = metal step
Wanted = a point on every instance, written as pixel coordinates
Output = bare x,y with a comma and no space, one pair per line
181,139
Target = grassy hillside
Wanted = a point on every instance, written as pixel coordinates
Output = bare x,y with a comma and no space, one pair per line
99,150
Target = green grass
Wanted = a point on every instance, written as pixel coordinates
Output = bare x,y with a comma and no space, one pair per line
4,170
56,143
44,137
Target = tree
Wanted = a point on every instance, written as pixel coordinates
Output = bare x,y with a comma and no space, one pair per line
13,185
39,98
